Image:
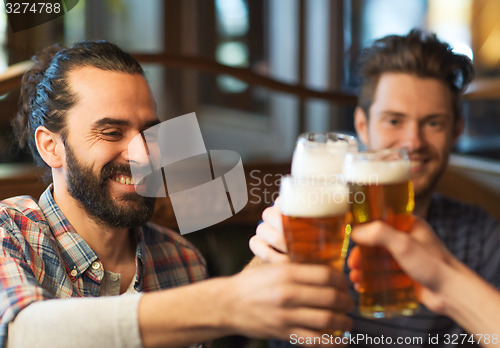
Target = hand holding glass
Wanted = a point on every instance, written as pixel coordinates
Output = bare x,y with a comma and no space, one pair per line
381,189
316,215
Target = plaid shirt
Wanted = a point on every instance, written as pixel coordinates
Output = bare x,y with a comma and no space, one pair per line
42,257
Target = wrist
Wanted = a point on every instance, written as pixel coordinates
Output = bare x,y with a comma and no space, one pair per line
458,290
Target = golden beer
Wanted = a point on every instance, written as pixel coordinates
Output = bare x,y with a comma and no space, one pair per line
316,217
382,190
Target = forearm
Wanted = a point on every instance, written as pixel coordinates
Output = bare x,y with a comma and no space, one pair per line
472,303
90,322
182,316
255,262
170,318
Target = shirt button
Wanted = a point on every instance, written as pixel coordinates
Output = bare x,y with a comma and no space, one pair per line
114,277
74,273
96,265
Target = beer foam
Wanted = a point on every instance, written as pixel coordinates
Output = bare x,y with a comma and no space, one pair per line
376,172
315,159
313,200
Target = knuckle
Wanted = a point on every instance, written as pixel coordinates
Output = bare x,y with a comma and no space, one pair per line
404,247
266,214
283,296
260,227
327,320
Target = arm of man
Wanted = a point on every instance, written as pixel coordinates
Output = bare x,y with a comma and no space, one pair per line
448,287
274,301
76,322
271,302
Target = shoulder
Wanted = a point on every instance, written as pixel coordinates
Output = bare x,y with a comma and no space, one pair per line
468,231
24,231
447,211
20,210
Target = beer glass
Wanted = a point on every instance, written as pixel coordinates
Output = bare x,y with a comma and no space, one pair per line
316,215
321,155
381,189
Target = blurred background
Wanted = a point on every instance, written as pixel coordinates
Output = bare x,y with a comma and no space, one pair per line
310,43
258,73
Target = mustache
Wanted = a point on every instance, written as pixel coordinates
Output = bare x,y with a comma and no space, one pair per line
122,168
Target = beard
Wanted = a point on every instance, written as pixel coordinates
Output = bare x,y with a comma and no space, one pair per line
129,210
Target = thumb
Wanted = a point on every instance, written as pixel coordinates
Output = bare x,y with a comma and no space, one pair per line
377,233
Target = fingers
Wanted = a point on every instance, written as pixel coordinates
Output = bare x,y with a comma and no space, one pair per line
301,300
272,215
315,275
354,259
265,252
272,236
296,296
376,233
272,227
418,252
355,277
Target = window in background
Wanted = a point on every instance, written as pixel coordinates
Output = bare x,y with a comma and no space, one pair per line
232,26
135,26
3,41
470,26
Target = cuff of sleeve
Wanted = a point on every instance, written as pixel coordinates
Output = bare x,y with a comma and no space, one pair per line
126,318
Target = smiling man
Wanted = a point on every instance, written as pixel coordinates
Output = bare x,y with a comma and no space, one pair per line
410,96
87,239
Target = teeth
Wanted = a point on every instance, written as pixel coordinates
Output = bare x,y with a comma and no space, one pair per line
124,180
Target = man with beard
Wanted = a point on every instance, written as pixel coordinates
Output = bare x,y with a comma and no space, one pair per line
410,97
88,237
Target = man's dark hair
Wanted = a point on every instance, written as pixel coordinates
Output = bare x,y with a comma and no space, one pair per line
45,93
418,53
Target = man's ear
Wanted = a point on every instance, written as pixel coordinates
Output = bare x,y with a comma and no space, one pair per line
50,147
361,125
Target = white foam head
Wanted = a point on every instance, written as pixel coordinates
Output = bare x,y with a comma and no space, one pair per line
306,198
376,172
316,159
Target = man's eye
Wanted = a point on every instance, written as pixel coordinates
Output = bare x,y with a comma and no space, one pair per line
435,124
393,122
113,135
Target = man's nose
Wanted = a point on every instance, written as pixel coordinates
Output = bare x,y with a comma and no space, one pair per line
413,138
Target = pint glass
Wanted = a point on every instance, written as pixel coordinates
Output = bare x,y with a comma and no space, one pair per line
381,189
321,155
316,216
